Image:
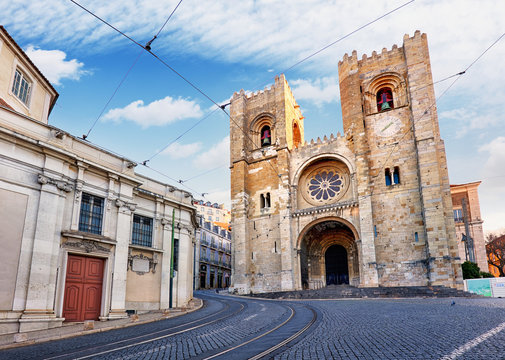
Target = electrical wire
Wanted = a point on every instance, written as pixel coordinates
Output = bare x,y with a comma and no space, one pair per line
144,163
222,107
302,60
203,173
174,180
169,16
181,135
131,67
112,96
347,35
425,112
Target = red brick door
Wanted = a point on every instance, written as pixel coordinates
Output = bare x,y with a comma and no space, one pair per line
83,288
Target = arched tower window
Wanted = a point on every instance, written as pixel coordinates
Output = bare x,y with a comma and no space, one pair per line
266,136
387,174
297,137
385,99
396,175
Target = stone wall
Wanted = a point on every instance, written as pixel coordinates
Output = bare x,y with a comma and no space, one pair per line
397,234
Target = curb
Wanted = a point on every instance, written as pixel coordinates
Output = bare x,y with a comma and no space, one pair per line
103,329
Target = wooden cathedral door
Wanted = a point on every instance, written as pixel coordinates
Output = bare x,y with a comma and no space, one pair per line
83,288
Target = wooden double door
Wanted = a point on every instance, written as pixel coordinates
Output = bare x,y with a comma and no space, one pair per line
83,288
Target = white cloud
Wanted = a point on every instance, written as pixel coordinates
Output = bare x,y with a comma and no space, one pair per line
465,120
218,155
53,65
495,163
319,91
181,151
157,113
492,190
219,196
251,32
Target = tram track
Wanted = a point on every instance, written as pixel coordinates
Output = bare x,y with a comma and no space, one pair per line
260,335
278,345
148,336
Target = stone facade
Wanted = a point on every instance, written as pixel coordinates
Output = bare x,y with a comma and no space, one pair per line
469,192
371,207
83,236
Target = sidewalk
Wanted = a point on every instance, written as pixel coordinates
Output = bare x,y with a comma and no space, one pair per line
68,330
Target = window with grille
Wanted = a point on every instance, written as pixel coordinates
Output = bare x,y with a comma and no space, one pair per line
91,216
142,233
21,87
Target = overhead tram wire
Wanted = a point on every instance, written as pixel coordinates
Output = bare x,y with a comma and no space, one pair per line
222,107
112,96
147,47
131,67
344,37
171,178
425,112
181,135
347,35
169,16
201,174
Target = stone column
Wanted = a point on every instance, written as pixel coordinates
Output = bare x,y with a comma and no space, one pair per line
166,236
39,311
368,270
76,207
184,280
120,266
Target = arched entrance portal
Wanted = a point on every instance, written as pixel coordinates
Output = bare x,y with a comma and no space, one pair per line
337,271
328,255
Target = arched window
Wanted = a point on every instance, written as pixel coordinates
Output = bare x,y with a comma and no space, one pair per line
297,137
265,200
385,99
396,175
387,174
266,136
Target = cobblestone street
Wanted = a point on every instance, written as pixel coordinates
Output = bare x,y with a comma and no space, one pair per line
404,329
241,328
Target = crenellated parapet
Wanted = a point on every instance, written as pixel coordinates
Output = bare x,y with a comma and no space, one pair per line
384,55
318,145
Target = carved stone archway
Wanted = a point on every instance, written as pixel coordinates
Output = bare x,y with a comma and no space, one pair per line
313,247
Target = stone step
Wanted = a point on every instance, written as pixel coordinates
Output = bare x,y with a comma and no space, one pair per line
347,291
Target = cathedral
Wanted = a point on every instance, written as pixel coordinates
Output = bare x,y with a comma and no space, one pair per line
369,207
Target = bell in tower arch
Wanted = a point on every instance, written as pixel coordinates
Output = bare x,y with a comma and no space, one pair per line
384,99
266,137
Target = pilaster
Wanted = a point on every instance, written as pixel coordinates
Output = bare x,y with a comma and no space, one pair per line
39,311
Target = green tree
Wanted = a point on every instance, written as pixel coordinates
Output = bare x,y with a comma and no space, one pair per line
486,274
470,270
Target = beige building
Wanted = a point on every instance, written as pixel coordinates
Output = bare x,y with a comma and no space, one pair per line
469,194
371,207
83,236
213,212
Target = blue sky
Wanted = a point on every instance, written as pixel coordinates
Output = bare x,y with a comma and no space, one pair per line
226,46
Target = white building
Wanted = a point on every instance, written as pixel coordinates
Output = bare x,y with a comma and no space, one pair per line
83,236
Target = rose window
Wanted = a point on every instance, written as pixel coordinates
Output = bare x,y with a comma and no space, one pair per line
325,185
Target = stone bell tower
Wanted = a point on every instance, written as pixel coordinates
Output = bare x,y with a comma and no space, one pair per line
391,124
264,128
